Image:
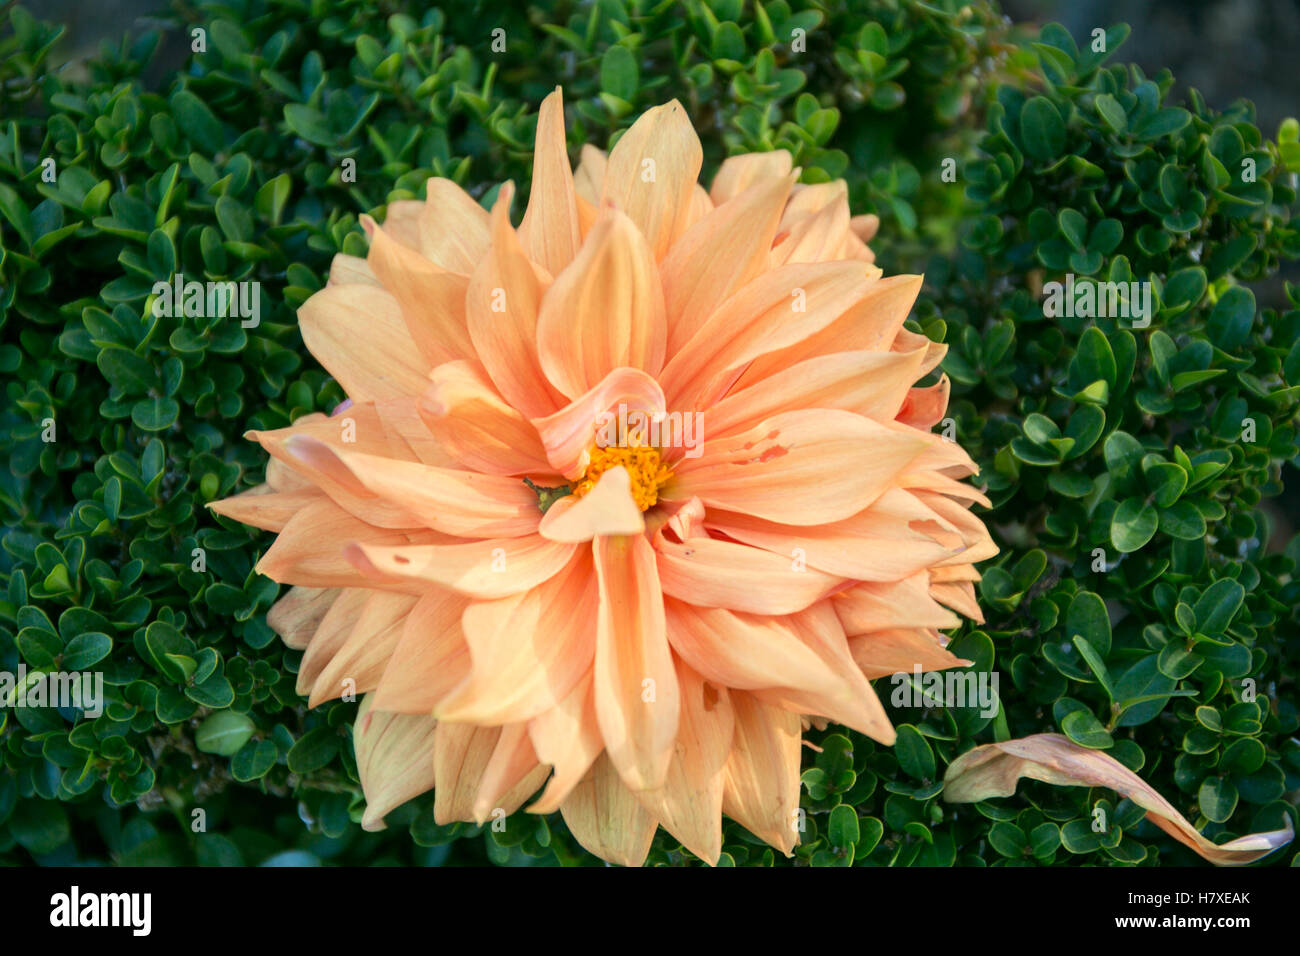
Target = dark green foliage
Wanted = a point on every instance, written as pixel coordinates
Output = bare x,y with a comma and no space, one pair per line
1090,435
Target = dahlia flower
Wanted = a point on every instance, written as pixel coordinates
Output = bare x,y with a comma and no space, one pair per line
536,588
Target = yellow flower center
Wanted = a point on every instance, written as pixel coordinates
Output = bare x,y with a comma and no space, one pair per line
644,467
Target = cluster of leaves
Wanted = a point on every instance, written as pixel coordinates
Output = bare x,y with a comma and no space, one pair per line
1141,604
234,169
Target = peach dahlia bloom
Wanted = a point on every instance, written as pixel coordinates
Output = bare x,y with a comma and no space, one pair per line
641,631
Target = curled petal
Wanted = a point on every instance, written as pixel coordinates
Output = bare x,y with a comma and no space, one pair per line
605,311
993,770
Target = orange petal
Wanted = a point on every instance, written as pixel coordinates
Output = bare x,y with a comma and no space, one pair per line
359,663
485,569
453,228
877,605
718,255
811,466
690,804
266,509
394,759
637,702
455,502
511,776
475,425
607,818
608,509
310,549
528,650
549,231
357,333
742,651
568,738
652,172
501,309
432,300
847,699
335,627
431,658
873,384
460,756
869,546
589,179
739,173
297,615
762,776
871,322
777,310
570,433
351,270
605,311
901,651
710,572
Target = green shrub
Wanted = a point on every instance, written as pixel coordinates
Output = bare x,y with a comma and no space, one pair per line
1089,435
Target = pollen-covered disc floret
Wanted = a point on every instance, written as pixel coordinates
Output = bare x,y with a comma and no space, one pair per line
632,633
644,466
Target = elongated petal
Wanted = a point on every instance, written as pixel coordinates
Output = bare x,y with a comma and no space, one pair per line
589,179
718,255
637,701
739,173
605,311
901,651
873,384
310,549
432,300
453,228
762,776
607,818
466,414
357,333
444,499
485,569
431,658
690,804
869,546
710,572
501,310
550,231
993,770
848,699
394,759
777,310
652,173
266,509
511,776
335,628
810,466
742,651
872,322
297,615
877,605
528,650
358,665
567,737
